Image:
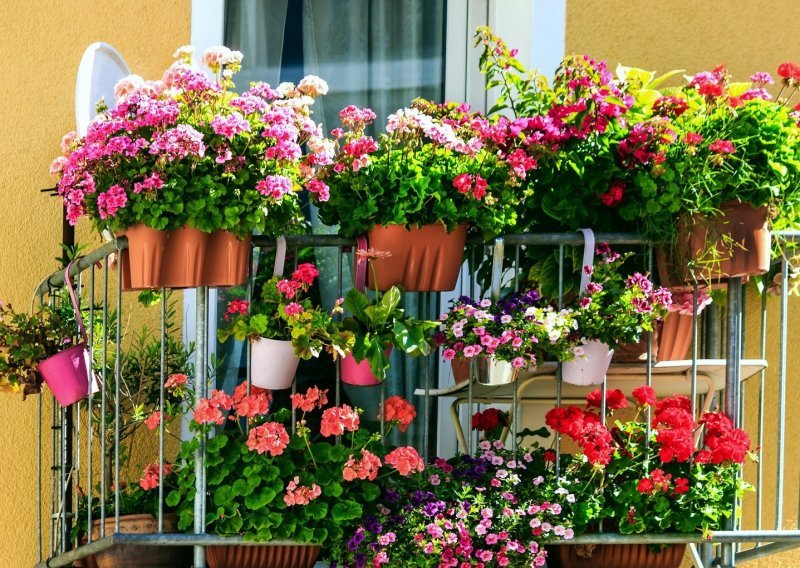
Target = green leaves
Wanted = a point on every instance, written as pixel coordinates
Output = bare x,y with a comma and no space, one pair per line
347,510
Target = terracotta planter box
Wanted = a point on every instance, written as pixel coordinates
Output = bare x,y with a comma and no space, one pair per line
122,556
183,258
263,556
142,260
422,258
228,260
615,556
676,337
736,243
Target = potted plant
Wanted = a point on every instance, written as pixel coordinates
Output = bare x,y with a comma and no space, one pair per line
597,143
138,514
185,168
40,347
482,510
266,484
416,190
736,170
668,484
378,324
283,326
502,338
611,309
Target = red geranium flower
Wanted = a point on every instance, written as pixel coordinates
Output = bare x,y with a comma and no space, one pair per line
615,399
613,196
645,395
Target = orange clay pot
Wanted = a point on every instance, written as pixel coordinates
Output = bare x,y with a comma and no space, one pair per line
263,556
423,259
227,260
736,243
184,258
141,262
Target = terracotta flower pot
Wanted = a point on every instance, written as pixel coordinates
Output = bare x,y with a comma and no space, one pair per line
184,258
460,368
263,556
589,368
422,258
141,262
637,352
676,337
360,374
736,243
615,556
272,364
227,260
67,374
124,556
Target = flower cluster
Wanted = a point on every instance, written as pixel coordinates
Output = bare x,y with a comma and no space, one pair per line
619,148
186,150
481,510
297,482
614,308
285,311
491,422
691,487
517,330
399,411
435,164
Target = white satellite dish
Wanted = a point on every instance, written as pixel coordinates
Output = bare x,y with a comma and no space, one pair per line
101,68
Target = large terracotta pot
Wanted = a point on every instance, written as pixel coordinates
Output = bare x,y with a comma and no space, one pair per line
184,258
735,243
227,260
589,368
615,556
142,260
263,556
422,258
127,556
272,364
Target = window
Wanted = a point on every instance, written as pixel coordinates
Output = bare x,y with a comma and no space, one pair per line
379,54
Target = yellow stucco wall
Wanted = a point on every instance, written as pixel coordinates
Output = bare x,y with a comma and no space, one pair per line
43,43
697,35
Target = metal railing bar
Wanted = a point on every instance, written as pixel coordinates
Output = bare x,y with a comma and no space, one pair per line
163,418
782,393
89,406
117,381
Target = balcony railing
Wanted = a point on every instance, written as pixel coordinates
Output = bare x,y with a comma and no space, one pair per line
717,374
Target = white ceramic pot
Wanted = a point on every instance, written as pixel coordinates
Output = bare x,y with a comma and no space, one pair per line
272,364
589,368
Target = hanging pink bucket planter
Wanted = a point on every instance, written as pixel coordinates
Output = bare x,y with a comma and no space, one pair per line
589,368
359,374
66,374
272,364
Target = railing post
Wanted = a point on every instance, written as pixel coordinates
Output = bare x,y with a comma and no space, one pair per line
732,387
200,387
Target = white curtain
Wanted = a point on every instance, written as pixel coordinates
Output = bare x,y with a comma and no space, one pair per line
375,53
